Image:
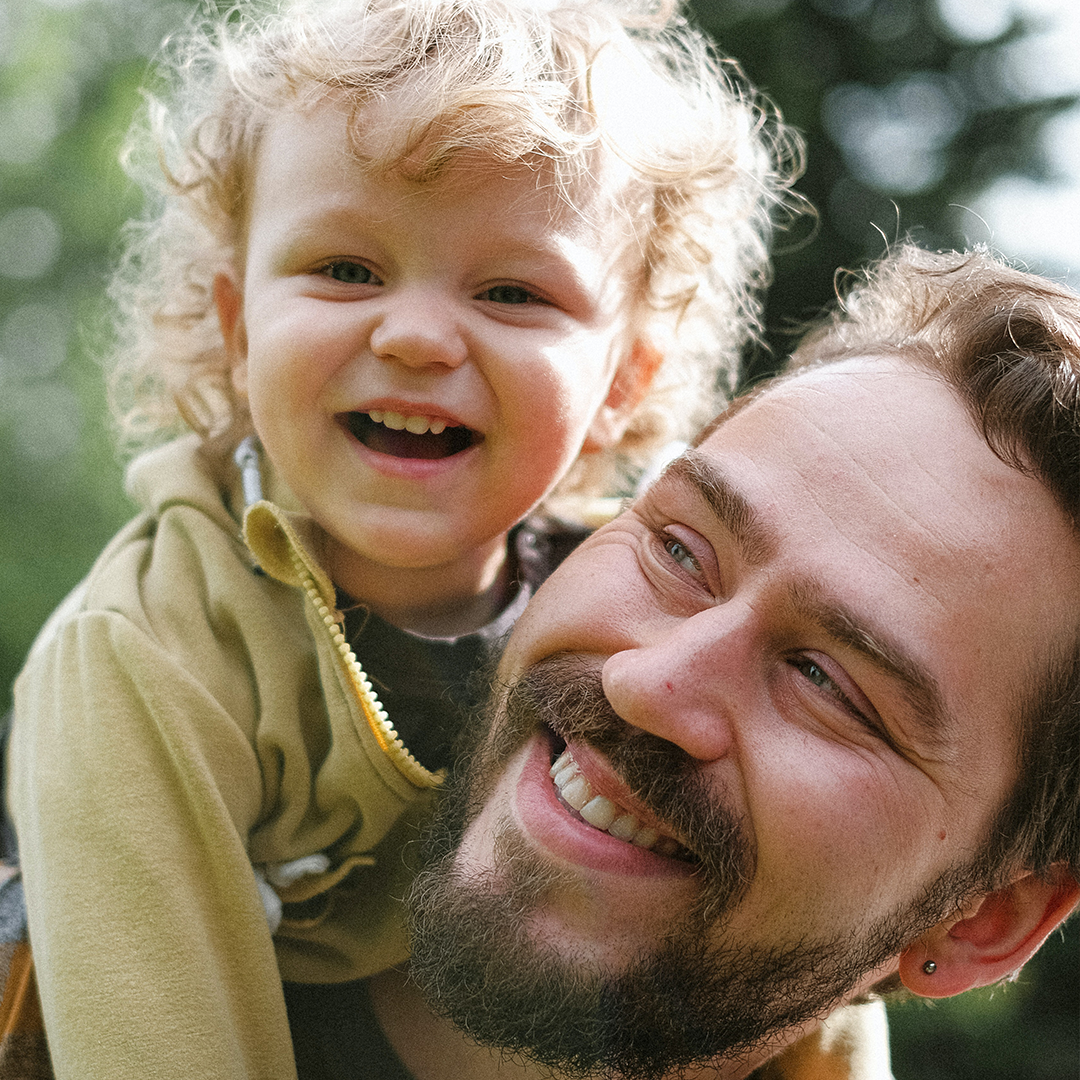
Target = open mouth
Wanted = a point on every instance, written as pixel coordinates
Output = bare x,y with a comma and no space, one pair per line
409,436
576,794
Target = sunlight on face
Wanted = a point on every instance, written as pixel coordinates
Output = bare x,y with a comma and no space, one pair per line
820,620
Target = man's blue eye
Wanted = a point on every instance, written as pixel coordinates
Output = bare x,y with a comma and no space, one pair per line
815,673
508,294
817,676
681,554
350,273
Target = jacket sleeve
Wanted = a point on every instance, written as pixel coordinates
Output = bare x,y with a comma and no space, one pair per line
133,792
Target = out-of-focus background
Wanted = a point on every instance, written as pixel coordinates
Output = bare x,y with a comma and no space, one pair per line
952,121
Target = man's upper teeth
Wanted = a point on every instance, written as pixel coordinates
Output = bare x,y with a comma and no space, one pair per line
418,425
600,812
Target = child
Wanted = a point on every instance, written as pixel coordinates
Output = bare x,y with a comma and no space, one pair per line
419,268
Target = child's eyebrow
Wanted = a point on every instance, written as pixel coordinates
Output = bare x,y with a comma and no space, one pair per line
549,244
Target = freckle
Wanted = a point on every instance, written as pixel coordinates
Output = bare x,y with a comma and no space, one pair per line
941,835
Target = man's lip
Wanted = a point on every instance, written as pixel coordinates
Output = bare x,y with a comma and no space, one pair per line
553,826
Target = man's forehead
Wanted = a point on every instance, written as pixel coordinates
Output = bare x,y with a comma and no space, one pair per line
895,440
873,376
874,408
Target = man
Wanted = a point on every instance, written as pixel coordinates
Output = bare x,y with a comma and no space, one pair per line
811,708
799,726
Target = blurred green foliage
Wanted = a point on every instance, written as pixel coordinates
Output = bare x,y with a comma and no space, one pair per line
904,122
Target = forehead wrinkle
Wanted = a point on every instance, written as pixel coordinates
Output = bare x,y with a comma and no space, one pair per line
757,542
921,690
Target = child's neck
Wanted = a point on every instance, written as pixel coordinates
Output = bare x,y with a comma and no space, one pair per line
440,601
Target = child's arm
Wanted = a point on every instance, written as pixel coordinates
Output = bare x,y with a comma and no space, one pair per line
133,791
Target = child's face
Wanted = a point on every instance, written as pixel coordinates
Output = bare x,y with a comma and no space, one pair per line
475,312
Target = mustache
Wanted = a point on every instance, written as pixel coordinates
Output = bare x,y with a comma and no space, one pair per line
565,694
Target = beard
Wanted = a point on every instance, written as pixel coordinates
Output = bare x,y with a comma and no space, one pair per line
688,996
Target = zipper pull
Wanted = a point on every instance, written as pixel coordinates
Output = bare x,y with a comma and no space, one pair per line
247,458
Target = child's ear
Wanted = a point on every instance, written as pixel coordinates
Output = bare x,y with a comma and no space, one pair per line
630,385
229,301
990,939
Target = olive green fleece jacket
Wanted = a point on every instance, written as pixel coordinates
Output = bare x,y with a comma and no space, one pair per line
193,709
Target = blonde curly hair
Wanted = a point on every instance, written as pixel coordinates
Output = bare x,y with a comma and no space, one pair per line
512,79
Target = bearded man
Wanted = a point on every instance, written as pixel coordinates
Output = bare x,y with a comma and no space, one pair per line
798,728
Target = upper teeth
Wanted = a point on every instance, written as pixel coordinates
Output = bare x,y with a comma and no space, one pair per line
600,812
418,425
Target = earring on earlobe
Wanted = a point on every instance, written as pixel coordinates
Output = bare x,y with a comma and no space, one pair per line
929,967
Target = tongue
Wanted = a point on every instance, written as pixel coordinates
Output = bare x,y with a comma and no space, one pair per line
405,444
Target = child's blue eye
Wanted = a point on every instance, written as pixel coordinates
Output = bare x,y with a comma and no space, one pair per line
509,294
350,273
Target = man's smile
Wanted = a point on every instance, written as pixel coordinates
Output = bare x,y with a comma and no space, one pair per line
541,812
599,792
576,793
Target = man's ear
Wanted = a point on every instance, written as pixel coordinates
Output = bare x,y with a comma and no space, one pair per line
991,938
630,385
229,301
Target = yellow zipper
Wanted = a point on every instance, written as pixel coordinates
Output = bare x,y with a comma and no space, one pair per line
375,715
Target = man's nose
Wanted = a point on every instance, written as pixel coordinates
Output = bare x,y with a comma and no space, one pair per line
419,328
687,682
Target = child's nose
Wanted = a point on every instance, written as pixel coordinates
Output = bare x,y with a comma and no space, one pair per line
418,329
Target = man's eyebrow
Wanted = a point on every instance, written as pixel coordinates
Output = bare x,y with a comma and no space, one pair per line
920,689
756,541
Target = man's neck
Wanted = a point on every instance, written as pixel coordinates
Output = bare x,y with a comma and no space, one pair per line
432,1048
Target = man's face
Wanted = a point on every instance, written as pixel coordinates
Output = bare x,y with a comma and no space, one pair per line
812,637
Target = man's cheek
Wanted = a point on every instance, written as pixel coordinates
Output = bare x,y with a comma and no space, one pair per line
476,852
584,607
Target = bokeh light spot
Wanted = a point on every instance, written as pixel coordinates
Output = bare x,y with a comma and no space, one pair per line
29,243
